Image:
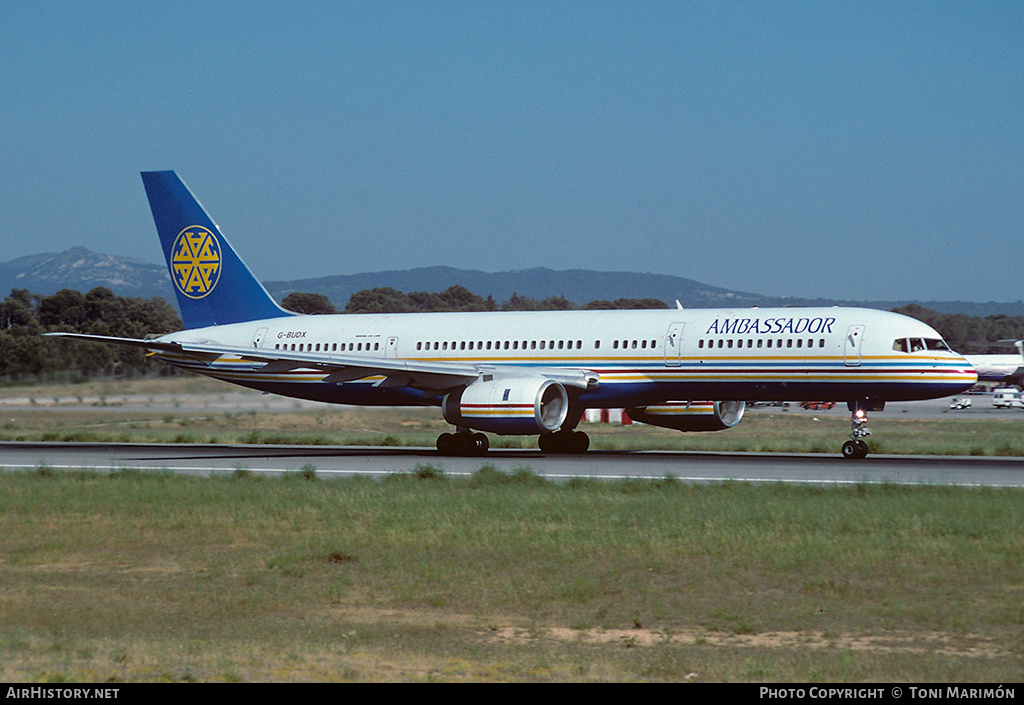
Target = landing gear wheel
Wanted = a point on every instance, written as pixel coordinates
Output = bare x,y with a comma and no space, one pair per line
548,443
445,444
480,444
579,442
855,450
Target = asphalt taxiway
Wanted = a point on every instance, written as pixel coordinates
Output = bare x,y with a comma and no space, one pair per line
685,466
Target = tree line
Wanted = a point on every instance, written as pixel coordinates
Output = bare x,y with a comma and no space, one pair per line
384,299
971,335
25,354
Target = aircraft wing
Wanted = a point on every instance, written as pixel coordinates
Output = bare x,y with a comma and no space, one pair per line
398,372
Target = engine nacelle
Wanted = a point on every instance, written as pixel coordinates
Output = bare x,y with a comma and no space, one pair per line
509,406
692,415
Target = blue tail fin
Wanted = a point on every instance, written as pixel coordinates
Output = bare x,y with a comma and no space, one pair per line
213,285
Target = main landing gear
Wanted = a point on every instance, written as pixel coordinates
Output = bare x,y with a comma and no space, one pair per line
856,448
464,442
564,442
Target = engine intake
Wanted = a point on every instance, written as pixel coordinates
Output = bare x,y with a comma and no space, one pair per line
692,415
510,406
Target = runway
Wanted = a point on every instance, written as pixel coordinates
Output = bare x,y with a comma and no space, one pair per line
346,461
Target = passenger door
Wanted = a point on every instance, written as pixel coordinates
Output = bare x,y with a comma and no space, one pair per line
674,345
257,342
852,346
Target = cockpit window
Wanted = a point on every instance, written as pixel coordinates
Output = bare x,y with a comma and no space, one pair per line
913,345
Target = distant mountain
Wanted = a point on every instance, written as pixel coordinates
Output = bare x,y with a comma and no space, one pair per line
578,285
82,269
583,286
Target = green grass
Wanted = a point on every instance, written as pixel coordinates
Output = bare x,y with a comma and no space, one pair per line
509,577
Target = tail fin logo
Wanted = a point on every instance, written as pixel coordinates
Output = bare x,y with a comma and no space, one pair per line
196,261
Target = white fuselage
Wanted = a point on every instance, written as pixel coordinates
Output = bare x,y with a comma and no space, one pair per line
638,356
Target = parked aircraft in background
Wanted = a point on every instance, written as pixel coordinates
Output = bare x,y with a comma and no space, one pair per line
1000,368
534,373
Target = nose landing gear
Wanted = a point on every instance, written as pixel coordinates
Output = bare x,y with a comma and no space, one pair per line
856,448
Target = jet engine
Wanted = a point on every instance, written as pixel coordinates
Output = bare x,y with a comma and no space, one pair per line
508,406
691,415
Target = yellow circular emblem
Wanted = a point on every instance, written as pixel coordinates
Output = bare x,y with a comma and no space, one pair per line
196,261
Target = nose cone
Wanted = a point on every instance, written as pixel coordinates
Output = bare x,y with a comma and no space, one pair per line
968,373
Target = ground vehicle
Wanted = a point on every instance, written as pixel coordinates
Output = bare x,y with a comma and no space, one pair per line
1007,398
960,403
817,404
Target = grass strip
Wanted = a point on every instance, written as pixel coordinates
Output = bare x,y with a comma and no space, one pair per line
504,576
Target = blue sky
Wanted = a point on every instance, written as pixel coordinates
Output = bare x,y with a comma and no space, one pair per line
863,150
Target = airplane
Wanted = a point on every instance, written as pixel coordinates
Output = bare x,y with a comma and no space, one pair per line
999,368
533,373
